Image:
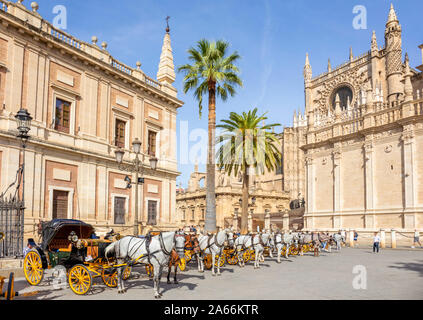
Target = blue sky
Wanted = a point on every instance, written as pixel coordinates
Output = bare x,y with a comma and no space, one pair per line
272,36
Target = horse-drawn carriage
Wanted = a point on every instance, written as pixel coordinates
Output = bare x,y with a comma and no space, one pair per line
69,243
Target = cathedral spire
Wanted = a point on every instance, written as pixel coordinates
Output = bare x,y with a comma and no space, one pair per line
307,69
166,72
329,66
374,42
351,54
392,16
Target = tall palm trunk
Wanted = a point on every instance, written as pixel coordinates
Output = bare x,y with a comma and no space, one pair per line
244,214
210,223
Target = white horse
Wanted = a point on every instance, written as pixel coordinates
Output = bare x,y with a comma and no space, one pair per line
155,251
214,244
283,240
256,242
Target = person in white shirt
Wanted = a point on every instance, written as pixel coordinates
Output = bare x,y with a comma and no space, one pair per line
376,241
416,238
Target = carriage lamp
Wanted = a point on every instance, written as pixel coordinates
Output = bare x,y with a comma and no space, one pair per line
23,119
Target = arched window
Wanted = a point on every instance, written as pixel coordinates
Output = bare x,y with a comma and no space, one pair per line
345,95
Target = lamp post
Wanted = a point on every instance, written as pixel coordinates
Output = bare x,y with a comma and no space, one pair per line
137,166
23,119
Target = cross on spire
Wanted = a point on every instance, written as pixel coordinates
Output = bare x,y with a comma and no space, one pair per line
167,23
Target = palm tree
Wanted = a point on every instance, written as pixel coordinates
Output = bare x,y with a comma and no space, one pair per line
211,71
247,145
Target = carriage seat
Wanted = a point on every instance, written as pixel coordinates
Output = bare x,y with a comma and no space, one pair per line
62,245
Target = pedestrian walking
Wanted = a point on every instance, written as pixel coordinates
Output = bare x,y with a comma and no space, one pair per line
376,241
416,238
355,238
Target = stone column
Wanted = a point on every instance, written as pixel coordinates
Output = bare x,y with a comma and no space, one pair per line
382,238
369,183
250,222
310,193
286,221
409,174
267,221
393,239
336,156
235,221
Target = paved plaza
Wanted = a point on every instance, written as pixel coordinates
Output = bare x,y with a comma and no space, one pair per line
391,274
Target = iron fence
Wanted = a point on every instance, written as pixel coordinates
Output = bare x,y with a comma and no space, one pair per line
12,219
12,226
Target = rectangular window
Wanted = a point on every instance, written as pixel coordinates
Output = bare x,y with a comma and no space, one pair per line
152,143
279,168
62,115
202,214
119,210
120,133
60,204
152,212
192,214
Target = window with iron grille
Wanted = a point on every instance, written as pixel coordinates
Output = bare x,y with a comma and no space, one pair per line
119,210
152,212
60,204
152,143
62,115
120,133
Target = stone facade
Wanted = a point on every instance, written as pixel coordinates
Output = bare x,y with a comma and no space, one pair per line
83,102
361,139
266,189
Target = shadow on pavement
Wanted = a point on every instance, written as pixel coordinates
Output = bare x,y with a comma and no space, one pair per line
412,266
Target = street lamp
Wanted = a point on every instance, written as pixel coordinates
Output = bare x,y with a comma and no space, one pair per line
23,119
136,166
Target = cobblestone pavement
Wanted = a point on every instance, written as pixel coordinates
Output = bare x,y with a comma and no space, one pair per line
391,274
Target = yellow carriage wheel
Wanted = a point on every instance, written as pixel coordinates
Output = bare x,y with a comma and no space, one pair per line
246,256
253,255
182,264
109,276
283,251
294,250
304,248
188,255
220,260
80,279
149,269
232,258
208,261
33,268
126,273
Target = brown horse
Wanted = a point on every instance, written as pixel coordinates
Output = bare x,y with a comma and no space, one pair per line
191,243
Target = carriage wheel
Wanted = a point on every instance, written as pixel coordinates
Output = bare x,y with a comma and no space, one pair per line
182,264
246,256
232,258
33,268
283,251
109,276
253,255
293,250
304,248
126,273
188,255
149,269
80,279
220,260
208,261
10,293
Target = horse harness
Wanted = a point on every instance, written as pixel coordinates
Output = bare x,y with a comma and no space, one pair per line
147,242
